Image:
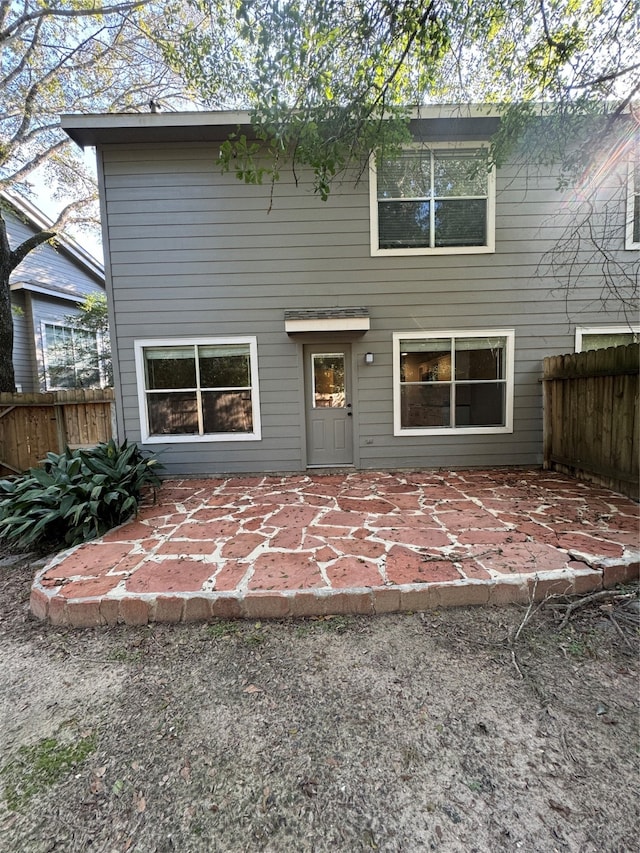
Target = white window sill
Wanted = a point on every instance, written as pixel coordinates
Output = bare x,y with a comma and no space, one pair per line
199,439
442,250
404,433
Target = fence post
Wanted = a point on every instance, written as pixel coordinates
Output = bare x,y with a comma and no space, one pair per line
547,402
114,421
61,430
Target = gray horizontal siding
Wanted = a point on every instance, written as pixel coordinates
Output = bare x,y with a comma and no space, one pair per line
195,253
47,265
22,345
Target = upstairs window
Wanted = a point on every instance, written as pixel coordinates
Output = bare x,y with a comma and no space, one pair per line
453,382
198,390
437,200
632,240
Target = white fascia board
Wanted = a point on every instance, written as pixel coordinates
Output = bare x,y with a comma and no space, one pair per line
335,324
178,119
45,291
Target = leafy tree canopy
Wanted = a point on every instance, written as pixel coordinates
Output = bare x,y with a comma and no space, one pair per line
320,75
61,56
66,56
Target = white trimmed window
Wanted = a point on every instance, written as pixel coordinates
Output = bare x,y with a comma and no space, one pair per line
632,237
601,337
448,382
437,201
71,358
198,390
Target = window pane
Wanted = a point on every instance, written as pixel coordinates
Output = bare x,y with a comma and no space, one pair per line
425,406
460,173
71,357
425,345
173,414
61,376
85,350
403,225
461,222
224,367
636,215
614,339
426,366
480,405
328,381
478,358
406,176
170,367
227,411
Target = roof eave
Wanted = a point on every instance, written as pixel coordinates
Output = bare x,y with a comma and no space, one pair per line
112,128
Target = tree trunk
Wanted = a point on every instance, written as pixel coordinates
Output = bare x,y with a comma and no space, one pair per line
7,375
9,260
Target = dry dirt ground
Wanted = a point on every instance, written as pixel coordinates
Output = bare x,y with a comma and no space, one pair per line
458,730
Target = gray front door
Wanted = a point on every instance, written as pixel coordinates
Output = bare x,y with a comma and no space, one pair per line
327,378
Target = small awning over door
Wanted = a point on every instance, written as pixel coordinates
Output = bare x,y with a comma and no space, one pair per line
326,320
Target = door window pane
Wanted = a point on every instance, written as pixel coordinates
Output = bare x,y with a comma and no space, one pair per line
328,380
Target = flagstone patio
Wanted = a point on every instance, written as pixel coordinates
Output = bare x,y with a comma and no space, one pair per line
365,542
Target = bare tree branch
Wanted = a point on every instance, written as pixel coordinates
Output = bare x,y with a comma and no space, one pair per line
48,12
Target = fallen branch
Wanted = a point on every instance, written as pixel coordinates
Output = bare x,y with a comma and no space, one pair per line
527,616
603,595
618,628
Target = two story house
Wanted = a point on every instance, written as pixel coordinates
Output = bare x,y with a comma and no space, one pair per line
401,324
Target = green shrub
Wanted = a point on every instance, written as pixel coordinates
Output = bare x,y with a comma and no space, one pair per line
77,495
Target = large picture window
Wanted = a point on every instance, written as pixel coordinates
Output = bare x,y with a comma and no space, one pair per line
198,390
453,382
433,201
71,358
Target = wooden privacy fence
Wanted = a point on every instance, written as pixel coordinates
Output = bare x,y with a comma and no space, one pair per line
31,425
591,421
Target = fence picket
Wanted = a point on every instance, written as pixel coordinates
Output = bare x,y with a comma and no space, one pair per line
31,425
591,416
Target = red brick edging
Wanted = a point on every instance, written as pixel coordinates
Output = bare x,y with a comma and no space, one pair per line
198,607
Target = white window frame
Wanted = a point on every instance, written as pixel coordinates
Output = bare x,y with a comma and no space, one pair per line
489,248
632,192
148,438
508,334
581,331
45,359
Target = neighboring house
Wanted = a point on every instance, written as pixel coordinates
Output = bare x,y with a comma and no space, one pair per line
46,289
401,324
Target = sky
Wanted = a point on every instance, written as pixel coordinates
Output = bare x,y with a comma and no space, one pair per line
43,199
